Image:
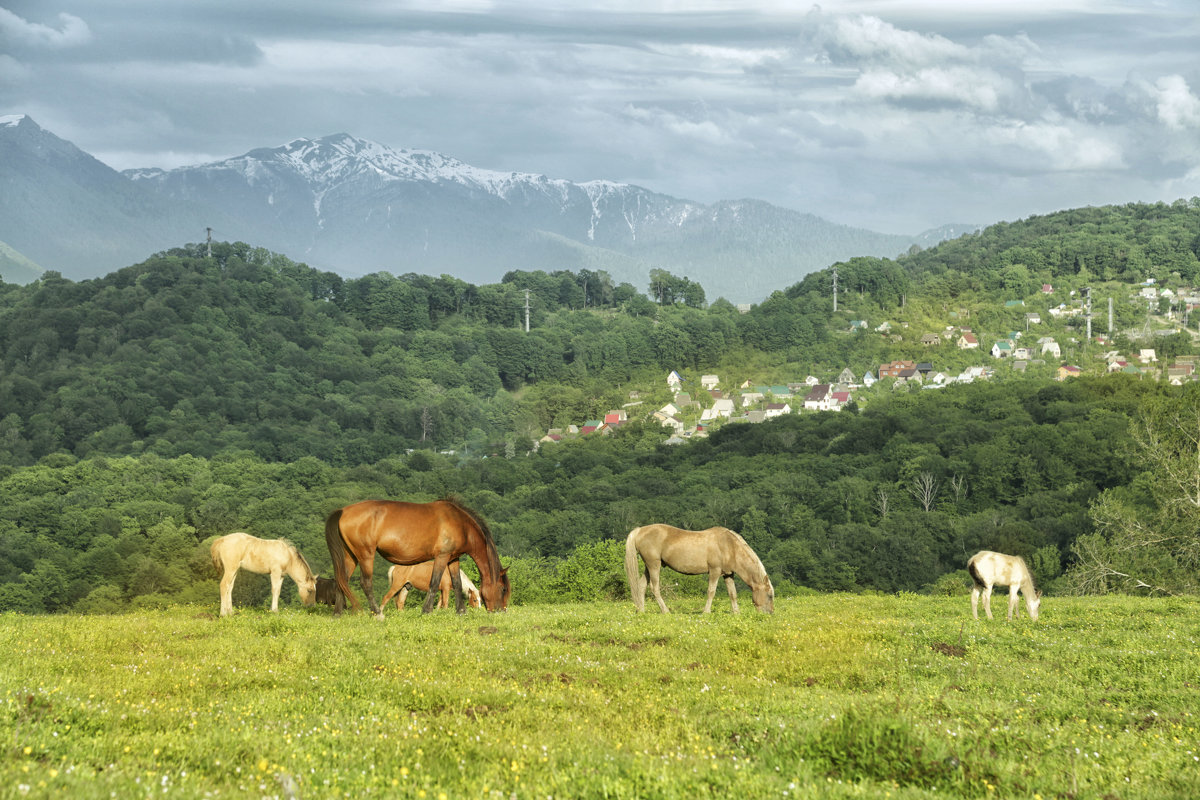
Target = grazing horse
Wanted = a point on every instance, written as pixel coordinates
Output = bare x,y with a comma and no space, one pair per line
989,569
410,533
417,576
718,551
275,557
329,594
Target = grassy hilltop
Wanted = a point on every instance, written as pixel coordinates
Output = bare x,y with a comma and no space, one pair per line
832,696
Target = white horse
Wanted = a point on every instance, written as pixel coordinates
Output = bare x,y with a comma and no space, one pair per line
275,557
990,569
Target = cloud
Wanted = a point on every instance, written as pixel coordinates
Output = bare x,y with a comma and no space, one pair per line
982,90
72,32
1178,108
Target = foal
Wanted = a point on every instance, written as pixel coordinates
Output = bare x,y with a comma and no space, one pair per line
989,569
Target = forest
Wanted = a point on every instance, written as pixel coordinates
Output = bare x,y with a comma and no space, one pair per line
143,413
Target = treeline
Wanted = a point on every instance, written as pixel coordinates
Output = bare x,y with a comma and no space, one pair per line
895,498
247,350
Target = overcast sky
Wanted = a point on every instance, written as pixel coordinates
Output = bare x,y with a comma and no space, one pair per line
895,115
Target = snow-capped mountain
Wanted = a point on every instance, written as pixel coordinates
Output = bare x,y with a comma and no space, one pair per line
355,206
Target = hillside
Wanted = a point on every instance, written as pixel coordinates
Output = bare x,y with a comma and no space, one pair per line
189,395
16,268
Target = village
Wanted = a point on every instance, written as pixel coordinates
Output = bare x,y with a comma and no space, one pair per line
695,410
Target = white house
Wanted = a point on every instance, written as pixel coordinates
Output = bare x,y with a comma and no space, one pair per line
776,410
751,398
674,381
709,382
722,408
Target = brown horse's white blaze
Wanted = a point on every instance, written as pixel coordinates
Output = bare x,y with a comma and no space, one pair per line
274,557
990,569
412,533
719,552
418,576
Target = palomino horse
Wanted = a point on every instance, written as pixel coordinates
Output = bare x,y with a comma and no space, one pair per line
718,551
417,576
275,557
989,569
410,533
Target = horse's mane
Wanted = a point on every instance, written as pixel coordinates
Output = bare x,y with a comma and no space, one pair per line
292,547
483,527
747,550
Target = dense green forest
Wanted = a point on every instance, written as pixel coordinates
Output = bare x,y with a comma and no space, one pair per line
191,395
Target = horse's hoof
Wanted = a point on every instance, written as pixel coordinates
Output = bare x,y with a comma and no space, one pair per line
379,615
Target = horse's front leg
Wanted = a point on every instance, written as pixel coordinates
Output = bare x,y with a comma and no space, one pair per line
732,592
227,591
435,587
713,579
460,604
1013,603
276,585
367,580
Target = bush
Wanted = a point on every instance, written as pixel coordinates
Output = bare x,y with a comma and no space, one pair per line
952,584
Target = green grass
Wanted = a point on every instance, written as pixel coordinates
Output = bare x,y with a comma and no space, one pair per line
832,696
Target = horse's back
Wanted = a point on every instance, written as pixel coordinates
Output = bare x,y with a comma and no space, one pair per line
418,575
403,532
690,552
989,567
242,551
230,547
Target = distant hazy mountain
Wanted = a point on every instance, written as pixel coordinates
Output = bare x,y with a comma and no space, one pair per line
15,267
66,211
354,206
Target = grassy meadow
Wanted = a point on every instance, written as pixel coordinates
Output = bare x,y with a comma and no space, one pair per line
832,696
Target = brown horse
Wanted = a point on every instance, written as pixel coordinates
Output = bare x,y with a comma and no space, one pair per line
329,594
417,576
718,551
409,533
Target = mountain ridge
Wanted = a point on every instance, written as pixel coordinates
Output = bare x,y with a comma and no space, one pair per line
355,206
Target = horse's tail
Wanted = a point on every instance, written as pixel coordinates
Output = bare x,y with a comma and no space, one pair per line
631,565
974,570
337,552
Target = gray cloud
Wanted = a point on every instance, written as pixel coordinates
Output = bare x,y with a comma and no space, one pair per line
892,114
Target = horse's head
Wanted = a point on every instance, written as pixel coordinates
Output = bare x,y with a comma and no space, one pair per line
302,574
764,595
496,592
1033,603
308,590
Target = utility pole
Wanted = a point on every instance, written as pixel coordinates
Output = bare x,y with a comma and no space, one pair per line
527,311
1110,318
209,254
835,290
1088,312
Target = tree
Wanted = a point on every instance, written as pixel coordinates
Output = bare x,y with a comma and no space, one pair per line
1150,540
924,489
